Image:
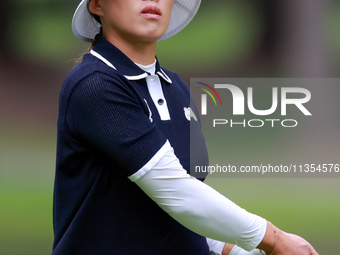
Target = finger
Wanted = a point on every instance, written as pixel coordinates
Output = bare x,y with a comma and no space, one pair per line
313,251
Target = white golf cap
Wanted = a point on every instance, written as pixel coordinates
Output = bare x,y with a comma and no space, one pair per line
85,27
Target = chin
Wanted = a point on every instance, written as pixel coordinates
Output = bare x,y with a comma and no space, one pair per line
151,34
150,37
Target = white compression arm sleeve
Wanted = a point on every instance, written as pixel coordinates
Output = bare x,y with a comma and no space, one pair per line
199,207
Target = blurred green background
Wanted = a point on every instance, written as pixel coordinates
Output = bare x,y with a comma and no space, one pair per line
257,38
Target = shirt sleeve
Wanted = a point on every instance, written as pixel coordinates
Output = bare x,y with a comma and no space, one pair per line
108,117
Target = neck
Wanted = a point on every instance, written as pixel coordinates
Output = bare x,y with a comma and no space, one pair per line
140,52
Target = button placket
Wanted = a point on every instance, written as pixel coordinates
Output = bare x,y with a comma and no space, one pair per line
156,92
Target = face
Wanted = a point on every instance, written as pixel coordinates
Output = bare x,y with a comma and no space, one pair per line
141,20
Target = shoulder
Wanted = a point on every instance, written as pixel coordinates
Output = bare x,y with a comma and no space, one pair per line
176,79
90,67
92,74
172,75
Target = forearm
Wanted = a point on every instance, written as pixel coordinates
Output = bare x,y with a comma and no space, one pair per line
199,207
268,243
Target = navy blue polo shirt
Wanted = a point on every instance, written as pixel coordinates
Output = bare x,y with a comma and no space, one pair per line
109,128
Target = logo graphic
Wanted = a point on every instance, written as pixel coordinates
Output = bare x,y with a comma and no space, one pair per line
243,104
204,97
239,100
189,113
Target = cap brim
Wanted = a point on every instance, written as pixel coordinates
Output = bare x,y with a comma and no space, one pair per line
182,13
85,27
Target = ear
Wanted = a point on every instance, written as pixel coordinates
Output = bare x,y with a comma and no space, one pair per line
95,7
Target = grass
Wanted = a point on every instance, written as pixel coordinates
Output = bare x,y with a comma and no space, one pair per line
26,221
27,161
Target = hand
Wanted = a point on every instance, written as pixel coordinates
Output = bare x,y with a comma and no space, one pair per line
289,244
278,242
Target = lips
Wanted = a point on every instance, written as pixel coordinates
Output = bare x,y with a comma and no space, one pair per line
151,12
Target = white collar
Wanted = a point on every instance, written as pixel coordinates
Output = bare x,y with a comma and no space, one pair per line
135,77
151,69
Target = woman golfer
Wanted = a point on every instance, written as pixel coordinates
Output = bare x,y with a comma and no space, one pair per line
122,184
